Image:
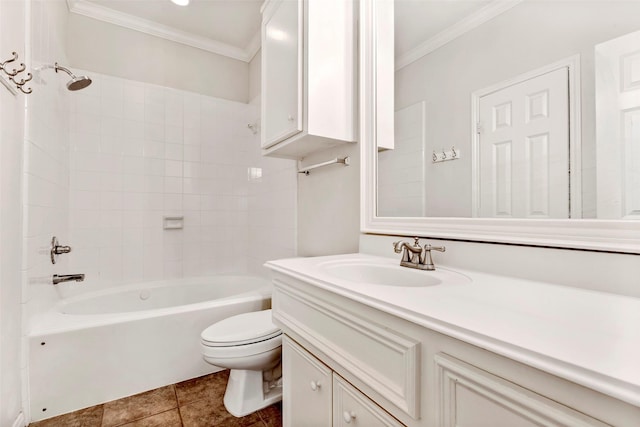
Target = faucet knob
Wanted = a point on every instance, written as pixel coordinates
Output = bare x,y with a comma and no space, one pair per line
428,247
58,249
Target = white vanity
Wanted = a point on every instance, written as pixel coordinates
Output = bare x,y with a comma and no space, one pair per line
367,345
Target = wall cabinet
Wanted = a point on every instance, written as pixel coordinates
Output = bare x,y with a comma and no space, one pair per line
343,358
314,396
309,81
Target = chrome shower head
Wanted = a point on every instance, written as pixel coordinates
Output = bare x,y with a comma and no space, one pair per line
76,83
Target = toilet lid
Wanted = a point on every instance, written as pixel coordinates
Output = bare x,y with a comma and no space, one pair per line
242,329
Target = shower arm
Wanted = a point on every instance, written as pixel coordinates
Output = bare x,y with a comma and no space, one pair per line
66,70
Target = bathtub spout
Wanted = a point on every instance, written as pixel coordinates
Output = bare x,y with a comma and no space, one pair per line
67,278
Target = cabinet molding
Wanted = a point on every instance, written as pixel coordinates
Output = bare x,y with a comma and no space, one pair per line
384,359
455,376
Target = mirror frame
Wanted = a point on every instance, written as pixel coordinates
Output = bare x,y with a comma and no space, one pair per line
586,234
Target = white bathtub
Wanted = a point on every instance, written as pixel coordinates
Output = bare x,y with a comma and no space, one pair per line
105,345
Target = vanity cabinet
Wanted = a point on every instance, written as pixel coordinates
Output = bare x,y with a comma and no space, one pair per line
315,396
390,371
309,81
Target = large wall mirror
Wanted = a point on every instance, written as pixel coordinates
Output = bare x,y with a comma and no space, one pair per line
513,122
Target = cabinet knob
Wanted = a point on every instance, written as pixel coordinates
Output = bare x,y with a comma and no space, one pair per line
315,385
290,118
348,416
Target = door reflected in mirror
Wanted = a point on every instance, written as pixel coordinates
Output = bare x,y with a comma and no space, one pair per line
526,109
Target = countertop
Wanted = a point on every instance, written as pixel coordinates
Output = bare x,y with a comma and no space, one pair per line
587,337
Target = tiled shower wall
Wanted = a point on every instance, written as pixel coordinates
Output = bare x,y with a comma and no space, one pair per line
141,152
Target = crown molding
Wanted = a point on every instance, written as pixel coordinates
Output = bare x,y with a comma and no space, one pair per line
105,14
451,33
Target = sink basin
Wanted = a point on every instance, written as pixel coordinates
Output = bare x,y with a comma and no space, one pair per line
390,275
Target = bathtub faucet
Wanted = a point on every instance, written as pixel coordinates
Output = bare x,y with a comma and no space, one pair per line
67,278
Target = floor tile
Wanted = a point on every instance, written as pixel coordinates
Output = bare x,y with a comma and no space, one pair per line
165,419
139,406
211,412
203,387
272,415
89,417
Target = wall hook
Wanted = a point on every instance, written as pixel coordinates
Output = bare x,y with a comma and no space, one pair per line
12,75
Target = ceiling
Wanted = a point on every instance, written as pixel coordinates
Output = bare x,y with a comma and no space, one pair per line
232,27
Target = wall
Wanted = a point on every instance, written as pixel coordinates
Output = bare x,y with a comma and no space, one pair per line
129,54
255,72
12,38
530,35
140,152
329,204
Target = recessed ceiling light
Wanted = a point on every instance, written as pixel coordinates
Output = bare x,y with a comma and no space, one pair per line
181,2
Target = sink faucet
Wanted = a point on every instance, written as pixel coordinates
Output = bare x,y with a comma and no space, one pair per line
67,278
415,256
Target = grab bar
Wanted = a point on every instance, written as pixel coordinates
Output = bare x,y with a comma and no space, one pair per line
345,161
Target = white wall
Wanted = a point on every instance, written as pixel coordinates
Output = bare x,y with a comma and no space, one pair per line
12,38
255,72
140,152
129,54
529,36
329,204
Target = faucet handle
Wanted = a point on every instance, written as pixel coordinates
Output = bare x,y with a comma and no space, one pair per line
428,247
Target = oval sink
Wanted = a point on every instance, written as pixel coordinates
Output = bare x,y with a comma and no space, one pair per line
391,275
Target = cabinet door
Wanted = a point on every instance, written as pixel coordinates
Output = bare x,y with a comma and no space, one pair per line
352,408
306,388
471,397
282,72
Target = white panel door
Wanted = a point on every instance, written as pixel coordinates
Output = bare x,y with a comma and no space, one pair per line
307,388
282,73
524,149
618,127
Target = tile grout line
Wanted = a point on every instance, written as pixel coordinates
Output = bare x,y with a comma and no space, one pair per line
175,392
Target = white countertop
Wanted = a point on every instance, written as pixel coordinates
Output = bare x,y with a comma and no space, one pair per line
587,337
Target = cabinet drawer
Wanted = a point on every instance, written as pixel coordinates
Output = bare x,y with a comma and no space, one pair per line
385,360
352,408
471,397
306,384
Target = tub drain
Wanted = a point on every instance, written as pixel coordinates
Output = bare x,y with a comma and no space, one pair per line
145,294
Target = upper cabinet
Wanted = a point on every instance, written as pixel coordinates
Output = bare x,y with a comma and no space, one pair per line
309,76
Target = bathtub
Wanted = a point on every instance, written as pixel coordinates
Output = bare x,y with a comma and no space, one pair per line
105,345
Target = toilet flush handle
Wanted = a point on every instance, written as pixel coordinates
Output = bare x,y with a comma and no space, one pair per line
315,385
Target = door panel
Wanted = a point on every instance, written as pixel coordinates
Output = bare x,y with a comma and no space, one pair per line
618,127
524,149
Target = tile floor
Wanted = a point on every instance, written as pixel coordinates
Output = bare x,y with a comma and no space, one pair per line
192,403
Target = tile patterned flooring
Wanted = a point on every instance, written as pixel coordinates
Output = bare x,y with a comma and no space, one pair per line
191,403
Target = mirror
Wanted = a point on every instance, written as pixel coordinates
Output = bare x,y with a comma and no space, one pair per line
503,121
495,111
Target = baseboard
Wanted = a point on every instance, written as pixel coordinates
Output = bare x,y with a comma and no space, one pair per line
19,422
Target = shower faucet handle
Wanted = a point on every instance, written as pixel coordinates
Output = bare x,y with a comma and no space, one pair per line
58,249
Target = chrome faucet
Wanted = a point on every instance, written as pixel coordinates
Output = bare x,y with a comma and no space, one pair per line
415,256
67,278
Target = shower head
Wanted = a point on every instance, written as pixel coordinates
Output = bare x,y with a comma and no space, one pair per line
76,83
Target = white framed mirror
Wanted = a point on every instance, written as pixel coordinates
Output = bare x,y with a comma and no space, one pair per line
511,122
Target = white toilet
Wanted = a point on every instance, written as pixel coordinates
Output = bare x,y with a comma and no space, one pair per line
250,345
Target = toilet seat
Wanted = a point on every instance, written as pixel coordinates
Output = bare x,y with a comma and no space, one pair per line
243,335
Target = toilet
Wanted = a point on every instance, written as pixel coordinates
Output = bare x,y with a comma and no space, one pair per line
250,345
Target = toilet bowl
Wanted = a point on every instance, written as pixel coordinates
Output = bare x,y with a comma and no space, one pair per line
250,345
